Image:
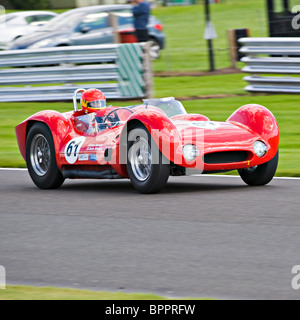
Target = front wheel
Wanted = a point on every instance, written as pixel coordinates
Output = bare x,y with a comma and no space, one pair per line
147,168
261,174
40,158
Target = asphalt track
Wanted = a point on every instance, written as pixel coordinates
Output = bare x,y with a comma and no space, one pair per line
204,236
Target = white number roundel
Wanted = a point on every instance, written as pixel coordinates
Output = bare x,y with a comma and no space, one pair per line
72,149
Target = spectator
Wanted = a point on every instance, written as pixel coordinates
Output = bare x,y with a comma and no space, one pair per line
141,14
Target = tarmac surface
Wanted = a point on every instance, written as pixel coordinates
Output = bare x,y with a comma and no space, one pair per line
205,236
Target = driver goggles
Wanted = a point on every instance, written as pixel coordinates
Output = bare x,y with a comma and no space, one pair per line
97,104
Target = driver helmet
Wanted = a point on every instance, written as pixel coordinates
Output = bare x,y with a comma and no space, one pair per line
93,100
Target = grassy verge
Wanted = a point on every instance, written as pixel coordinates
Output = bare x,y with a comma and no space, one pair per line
189,87
51,293
184,28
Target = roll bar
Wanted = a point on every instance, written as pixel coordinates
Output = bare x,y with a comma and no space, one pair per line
75,99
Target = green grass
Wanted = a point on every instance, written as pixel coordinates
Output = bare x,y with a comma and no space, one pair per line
184,27
231,84
51,293
21,292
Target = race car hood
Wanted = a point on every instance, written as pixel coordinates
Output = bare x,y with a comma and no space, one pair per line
215,135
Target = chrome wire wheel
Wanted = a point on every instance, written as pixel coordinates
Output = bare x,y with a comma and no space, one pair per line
41,158
145,167
140,159
40,155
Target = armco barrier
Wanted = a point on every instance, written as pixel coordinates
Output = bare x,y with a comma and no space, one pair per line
274,64
121,71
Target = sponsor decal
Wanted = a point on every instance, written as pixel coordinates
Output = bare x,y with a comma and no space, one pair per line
93,157
210,125
83,157
94,147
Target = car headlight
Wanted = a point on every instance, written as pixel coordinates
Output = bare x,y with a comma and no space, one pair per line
260,148
190,152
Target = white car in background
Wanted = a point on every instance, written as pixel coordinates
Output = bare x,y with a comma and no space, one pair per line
16,24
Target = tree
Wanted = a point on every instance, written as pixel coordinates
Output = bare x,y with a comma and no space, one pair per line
30,4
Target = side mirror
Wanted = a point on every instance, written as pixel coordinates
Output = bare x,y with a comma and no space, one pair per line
85,29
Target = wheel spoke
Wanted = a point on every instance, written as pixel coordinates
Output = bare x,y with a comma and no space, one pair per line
141,159
40,154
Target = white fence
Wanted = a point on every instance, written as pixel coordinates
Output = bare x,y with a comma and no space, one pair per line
121,71
273,64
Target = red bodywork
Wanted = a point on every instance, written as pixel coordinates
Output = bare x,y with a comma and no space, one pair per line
215,139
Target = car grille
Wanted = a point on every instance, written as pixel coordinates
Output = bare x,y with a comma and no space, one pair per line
225,157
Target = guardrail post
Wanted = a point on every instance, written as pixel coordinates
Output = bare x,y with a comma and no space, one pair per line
132,64
113,19
148,74
232,47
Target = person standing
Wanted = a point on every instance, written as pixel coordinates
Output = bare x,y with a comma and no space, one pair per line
141,14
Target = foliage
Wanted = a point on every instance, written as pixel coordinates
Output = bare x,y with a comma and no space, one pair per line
30,4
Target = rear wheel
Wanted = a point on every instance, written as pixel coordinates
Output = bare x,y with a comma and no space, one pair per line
147,168
40,158
261,174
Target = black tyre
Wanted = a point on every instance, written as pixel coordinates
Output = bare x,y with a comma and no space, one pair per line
261,174
147,168
40,158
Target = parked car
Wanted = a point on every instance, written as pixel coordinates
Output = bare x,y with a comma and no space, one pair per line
17,24
90,25
146,143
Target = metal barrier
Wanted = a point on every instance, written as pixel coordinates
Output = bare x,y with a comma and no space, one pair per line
121,71
273,63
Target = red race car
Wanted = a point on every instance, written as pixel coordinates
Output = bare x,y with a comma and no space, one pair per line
146,143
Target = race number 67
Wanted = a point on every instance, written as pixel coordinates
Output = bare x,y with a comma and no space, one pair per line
72,149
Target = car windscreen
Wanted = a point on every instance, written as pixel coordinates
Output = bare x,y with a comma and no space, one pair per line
67,20
169,106
7,17
94,21
98,20
124,17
